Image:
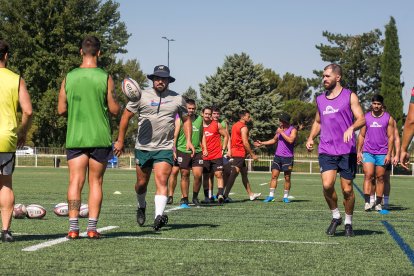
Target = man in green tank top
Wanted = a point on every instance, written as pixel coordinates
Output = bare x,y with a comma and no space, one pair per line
13,92
86,97
186,160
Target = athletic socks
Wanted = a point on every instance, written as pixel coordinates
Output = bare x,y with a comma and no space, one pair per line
141,200
285,193
372,199
336,214
206,193
92,222
272,192
367,198
195,194
379,200
348,219
386,200
74,224
210,193
220,191
160,203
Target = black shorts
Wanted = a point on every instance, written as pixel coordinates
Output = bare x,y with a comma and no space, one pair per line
388,167
238,162
213,165
283,164
102,155
7,163
185,161
344,164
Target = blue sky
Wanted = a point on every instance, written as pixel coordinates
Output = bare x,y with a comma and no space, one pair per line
281,35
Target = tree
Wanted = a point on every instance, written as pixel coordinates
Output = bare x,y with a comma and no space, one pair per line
359,56
391,86
190,93
45,39
293,87
240,84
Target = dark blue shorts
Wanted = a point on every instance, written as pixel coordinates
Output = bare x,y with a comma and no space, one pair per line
344,164
283,164
102,155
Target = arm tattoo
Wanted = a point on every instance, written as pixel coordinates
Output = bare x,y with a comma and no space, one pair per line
74,204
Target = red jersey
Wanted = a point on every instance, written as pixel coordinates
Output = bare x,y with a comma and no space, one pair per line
213,141
237,147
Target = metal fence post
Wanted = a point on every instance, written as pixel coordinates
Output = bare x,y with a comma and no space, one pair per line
36,160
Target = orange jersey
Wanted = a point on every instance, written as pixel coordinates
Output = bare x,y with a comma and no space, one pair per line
213,141
237,147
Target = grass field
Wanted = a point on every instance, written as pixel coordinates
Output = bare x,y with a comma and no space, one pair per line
240,238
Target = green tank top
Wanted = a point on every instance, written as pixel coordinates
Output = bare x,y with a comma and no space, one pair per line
195,138
88,119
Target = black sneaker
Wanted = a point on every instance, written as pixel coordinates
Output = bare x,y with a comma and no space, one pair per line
220,199
170,200
160,221
332,227
196,201
348,230
184,203
141,216
6,236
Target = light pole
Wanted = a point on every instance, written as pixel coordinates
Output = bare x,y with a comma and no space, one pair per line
168,49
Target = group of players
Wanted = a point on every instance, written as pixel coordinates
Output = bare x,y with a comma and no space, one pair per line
189,141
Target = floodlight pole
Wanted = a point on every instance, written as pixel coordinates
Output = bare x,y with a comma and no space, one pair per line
168,49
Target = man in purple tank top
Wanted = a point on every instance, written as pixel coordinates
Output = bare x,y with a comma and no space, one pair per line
283,161
375,143
339,115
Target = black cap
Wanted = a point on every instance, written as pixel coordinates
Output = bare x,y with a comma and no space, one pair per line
161,71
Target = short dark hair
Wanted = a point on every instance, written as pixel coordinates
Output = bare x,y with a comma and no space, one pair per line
378,98
215,109
91,45
190,101
4,49
243,112
207,107
336,68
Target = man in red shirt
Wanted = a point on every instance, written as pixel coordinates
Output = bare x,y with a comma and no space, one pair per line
239,147
213,150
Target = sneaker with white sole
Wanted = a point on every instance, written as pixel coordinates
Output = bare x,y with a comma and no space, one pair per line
367,207
286,200
254,196
378,207
269,199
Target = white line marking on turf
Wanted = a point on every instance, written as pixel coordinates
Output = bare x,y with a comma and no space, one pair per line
262,184
230,240
173,209
61,240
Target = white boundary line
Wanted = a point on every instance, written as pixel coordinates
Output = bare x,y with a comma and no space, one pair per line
230,240
61,240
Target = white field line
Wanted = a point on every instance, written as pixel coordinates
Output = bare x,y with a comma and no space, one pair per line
61,240
231,240
262,184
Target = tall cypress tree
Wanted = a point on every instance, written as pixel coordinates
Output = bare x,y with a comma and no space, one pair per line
391,86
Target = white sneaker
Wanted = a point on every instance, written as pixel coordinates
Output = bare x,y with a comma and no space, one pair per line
368,207
255,196
378,207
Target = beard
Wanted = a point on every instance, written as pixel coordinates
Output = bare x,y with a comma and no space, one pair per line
330,85
160,88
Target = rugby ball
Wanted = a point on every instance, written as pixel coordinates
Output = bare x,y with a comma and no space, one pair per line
131,89
35,211
84,211
19,211
61,209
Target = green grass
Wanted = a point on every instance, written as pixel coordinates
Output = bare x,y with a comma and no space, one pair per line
179,248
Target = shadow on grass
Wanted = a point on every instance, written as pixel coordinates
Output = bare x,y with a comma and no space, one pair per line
393,207
361,232
148,231
39,237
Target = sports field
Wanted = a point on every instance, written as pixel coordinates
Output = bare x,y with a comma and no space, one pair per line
240,238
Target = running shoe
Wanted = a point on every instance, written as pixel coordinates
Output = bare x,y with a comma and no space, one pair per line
196,202
332,227
170,200
141,216
254,196
73,235
269,199
93,234
6,236
348,230
286,200
160,221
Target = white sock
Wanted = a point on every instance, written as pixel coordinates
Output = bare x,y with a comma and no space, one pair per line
348,219
371,199
285,193
336,214
160,203
210,193
272,192
141,200
386,200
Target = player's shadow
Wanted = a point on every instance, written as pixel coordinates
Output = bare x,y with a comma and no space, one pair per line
40,237
361,232
393,207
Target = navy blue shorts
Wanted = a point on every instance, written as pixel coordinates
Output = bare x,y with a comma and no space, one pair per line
344,164
283,164
102,155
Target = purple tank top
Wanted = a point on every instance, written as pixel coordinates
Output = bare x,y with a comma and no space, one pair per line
376,138
336,117
284,148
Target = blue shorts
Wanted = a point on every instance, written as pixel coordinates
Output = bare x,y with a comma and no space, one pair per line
283,164
344,164
376,159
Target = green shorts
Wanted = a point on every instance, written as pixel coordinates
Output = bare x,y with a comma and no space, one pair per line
147,159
